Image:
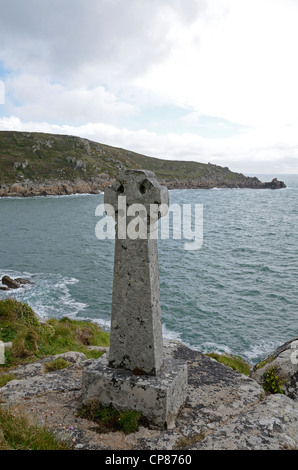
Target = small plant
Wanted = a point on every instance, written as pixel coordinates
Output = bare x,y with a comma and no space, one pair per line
129,421
5,378
272,383
110,419
17,432
261,364
57,364
7,332
28,315
235,362
185,442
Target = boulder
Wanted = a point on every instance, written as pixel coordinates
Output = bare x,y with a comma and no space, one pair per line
280,369
275,184
11,283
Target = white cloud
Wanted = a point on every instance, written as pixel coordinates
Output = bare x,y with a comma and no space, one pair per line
239,65
67,39
103,69
54,102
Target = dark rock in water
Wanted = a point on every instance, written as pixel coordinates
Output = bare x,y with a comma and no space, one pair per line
275,184
14,283
4,288
11,283
20,280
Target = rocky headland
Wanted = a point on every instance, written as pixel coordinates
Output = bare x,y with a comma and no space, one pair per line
35,164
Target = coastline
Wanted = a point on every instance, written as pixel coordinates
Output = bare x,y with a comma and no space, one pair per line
98,184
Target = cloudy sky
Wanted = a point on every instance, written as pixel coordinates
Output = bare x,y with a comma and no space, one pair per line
207,80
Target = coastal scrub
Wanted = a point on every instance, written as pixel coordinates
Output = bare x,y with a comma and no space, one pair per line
33,339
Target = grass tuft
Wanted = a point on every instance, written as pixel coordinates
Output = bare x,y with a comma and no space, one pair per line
110,419
235,362
17,432
33,340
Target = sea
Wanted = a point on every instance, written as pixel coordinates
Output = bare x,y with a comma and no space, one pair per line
236,293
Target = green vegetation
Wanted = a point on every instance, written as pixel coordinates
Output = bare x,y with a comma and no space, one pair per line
32,339
40,157
262,364
235,362
57,364
5,378
17,432
186,442
109,419
272,382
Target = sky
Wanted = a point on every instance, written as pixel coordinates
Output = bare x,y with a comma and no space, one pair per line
202,80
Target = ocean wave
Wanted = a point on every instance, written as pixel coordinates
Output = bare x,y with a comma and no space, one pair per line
48,295
218,348
257,352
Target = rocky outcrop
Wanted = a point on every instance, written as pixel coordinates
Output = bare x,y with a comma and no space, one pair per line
9,283
217,182
280,370
98,184
275,184
223,410
30,188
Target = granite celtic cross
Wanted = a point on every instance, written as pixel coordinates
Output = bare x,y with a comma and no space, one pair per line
135,374
136,333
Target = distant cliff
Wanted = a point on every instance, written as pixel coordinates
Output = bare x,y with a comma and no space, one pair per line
36,164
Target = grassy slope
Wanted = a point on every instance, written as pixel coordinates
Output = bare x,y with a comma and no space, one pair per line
32,339
61,157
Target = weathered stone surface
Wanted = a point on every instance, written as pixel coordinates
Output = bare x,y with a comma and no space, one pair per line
224,410
135,375
36,368
284,364
158,398
136,331
31,379
269,424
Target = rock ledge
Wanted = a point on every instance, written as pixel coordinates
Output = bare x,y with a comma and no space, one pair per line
224,409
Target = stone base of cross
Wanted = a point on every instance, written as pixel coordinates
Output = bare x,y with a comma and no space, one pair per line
135,374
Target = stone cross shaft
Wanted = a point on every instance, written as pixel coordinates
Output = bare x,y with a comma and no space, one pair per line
136,333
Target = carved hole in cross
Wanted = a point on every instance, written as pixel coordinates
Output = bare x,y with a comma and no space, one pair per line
143,188
120,190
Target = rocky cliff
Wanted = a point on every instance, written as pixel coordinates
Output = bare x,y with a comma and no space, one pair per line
35,164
